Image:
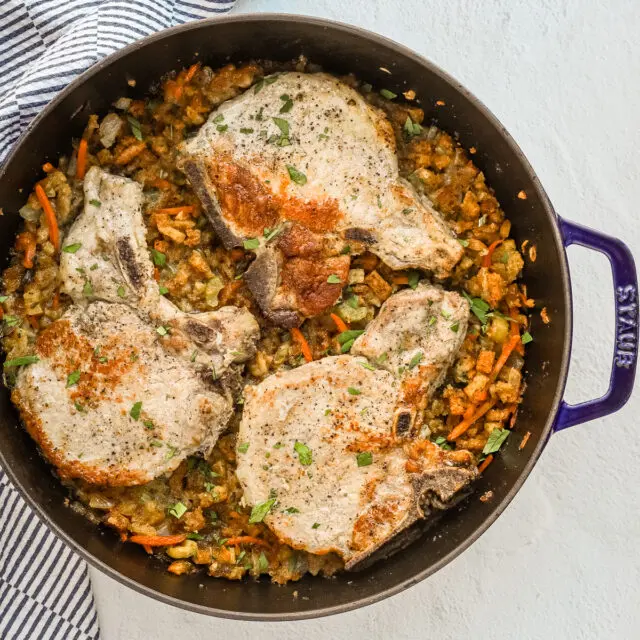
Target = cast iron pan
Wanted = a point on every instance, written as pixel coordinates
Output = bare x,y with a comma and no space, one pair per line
340,49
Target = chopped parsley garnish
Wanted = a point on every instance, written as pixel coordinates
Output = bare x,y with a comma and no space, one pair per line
443,443
455,326
288,103
222,128
72,248
194,355
327,412
246,130
346,250
432,321
478,306
79,407
291,510
162,331
367,365
135,127
353,391
334,279
251,243
270,234
495,441
121,291
264,81
72,378
263,563
415,361
178,510
163,291
411,128
93,267
155,443
297,176
87,290
12,321
95,203
3,299
445,314
382,358
148,424
19,362
135,410
305,455
171,452
315,525
407,211
463,242
194,535
414,278
364,458
159,258
347,338
389,95
283,125
243,448
261,510
219,118
526,338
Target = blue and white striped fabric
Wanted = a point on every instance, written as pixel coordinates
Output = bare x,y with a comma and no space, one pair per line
44,44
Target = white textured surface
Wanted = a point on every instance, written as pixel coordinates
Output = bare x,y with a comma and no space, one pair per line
563,560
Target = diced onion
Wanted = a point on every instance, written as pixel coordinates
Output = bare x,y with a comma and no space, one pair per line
30,214
109,129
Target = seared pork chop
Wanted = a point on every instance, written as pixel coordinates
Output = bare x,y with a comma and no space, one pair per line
416,337
345,471
110,262
107,403
336,478
302,163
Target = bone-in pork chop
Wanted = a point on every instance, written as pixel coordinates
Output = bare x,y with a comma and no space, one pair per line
416,337
331,446
111,262
109,404
304,166
336,479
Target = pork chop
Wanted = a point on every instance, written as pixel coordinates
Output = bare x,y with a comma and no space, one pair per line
416,337
317,452
107,258
332,445
106,402
300,166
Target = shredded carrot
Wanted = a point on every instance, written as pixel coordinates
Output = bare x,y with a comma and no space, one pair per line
55,302
486,262
1,313
246,540
47,167
339,323
466,422
191,72
400,279
368,261
131,152
158,541
172,211
304,345
507,348
160,183
34,322
147,548
26,242
515,331
485,463
50,216
81,160
156,274
411,466
523,444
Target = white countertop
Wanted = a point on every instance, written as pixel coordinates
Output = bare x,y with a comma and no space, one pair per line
563,560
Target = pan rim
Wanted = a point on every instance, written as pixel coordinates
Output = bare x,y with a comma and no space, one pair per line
400,50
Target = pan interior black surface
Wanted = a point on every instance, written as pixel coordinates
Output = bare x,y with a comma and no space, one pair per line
339,49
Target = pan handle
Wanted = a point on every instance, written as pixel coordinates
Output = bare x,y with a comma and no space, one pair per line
625,354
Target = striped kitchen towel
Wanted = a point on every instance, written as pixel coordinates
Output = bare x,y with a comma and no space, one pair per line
44,44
